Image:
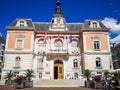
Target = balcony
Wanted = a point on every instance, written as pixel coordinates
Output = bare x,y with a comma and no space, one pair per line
16,67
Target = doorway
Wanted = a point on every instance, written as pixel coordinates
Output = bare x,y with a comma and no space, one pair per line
58,69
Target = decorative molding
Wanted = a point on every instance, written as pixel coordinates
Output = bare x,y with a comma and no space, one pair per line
14,52
58,55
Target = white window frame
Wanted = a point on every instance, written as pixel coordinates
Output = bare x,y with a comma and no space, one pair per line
94,24
22,23
58,44
41,43
17,61
75,63
19,37
96,39
98,62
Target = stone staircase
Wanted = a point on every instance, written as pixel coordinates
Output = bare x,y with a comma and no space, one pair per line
59,83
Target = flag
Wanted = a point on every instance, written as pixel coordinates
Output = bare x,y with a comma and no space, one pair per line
70,38
45,38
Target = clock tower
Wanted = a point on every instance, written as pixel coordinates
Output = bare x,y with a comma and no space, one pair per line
58,22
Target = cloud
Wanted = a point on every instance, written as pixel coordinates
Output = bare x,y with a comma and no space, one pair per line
112,24
116,39
114,28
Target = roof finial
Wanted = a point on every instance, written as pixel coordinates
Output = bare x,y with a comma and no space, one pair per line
58,9
58,3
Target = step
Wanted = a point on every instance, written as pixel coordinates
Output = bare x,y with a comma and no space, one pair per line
58,83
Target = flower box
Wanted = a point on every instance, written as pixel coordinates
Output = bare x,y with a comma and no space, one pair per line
28,84
18,85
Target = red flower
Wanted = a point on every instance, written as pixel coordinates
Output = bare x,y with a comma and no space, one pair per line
19,79
97,78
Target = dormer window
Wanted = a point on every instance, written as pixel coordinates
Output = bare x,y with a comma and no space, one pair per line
94,25
22,24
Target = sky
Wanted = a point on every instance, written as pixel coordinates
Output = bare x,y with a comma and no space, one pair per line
107,11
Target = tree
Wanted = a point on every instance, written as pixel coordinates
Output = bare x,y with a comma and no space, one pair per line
106,74
87,73
29,74
9,75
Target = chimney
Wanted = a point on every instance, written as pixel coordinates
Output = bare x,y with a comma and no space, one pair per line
114,45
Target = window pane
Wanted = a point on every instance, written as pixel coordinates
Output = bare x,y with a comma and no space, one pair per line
19,44
17,62
96,45
21,23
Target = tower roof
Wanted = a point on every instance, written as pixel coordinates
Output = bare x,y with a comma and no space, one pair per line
58,10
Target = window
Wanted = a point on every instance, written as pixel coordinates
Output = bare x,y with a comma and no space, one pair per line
98,62
94,25
19,41
96,45
58,44
75,75
19,44
17,62
75,63
21,23
74,43
41,43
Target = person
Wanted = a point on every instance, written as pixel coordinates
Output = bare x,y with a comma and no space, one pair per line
112,85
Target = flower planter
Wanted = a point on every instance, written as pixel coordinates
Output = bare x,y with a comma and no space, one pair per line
18,85
8,82
87,84
97,85
28,84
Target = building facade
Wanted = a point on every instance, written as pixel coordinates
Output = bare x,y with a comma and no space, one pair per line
115,49
57,50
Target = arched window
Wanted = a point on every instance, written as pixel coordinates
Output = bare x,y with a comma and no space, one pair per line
94,25
98,62
17,61
58,44
41,43
75,63
74,43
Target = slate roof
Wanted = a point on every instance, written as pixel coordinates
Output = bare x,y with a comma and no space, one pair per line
87,23
29,22
41,26
44,26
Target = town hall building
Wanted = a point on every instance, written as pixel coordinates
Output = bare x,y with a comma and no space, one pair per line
57,49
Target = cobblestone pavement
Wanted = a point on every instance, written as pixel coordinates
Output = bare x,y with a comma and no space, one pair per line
8,87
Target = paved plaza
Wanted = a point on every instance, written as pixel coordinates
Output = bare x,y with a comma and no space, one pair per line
51,85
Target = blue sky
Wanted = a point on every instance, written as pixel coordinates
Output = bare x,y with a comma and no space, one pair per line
107,11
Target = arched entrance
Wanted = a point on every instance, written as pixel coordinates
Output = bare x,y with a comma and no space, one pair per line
58,69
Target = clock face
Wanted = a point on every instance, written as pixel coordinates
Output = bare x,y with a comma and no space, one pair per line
58,20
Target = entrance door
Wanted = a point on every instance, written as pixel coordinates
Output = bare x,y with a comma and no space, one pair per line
58,69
